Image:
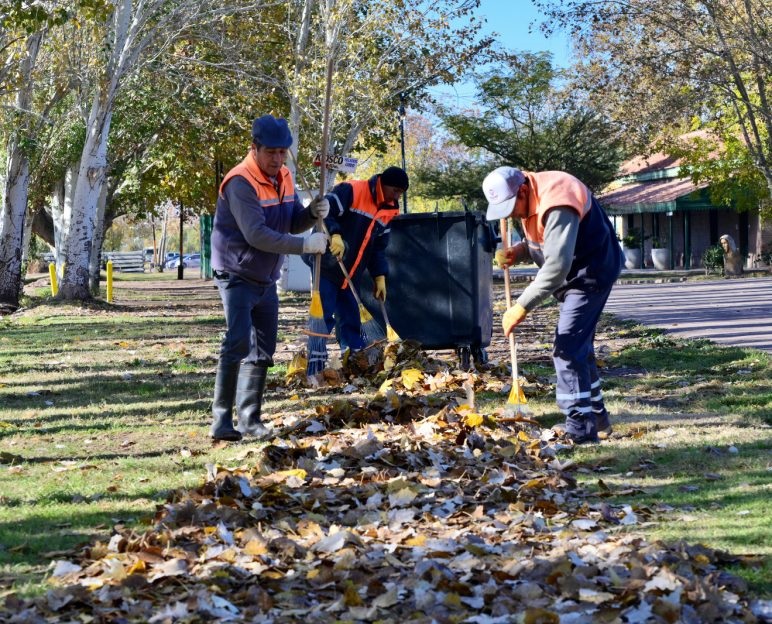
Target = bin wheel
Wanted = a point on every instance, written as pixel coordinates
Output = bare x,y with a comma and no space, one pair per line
480,355
464,358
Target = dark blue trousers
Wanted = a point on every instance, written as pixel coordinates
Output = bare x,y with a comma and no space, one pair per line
340,307
579,395
252,316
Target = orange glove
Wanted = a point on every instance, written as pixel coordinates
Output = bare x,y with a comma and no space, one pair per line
337,246
505,257
379,290
512,318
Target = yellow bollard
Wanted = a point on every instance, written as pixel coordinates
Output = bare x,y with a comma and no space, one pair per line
109,281
54,284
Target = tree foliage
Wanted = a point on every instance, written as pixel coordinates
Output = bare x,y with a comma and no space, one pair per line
525,120
652,65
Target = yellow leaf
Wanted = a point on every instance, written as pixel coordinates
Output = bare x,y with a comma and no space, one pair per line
210,530
255,547
386,385
294,472
523,436
473,420
418,540
410,377
138,566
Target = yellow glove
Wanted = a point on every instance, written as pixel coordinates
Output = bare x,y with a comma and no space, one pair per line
379,290
337,246
505,257
512,318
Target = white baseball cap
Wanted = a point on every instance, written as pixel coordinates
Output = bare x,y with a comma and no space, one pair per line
500,188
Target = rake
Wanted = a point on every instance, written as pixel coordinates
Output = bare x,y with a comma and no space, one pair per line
317,328
371,331
516,402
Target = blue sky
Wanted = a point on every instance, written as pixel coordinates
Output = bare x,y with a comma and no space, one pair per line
516,25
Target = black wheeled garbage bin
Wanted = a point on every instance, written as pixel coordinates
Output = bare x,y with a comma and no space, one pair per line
439,285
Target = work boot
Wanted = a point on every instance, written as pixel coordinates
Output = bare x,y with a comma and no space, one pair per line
249,399
222,404
602,423
580,429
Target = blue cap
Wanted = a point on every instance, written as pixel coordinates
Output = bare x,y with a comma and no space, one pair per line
271,131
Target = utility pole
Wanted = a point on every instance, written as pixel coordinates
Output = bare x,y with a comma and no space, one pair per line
402,142
180,268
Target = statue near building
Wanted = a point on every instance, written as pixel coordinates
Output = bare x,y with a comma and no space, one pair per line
733,260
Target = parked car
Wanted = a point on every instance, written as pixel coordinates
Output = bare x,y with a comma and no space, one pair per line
191,261
188,261
171,260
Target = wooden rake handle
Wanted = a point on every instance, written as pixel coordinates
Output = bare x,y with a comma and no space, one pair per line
508,295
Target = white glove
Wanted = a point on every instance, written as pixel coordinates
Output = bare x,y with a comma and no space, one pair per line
316,243
319,207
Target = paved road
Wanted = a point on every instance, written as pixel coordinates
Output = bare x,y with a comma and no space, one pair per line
728,311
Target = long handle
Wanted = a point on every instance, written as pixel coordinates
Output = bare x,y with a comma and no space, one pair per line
345,272
326,231
383,311
508,295
323,164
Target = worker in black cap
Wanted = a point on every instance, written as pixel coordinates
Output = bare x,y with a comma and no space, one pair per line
358,223
256,222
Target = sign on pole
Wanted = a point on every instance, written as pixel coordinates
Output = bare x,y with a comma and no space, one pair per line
337,162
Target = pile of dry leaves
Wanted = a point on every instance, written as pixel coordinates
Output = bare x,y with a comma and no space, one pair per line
409,506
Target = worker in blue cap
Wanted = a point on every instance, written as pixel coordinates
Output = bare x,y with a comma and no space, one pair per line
257,221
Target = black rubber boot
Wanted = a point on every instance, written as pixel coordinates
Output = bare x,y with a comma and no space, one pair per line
249,399
581,428
222,405
602,423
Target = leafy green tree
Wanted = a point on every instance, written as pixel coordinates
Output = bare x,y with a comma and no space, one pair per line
525,120
655,65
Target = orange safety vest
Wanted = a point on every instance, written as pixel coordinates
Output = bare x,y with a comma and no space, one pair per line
267,194
550,189
378,211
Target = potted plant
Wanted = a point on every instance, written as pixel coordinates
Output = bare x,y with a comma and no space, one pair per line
631,245
660,254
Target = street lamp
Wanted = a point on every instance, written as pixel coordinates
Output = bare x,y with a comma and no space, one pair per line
401,111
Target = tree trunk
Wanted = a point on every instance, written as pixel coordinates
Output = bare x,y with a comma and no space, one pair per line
91,179
99,239
61,211
16,185
12,225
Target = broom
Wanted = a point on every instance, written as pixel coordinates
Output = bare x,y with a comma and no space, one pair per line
371,331
391,335
317,328
516,402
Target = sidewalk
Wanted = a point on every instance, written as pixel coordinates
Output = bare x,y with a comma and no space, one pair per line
735,311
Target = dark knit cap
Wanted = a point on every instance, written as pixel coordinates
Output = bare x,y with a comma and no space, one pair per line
396,177
271,131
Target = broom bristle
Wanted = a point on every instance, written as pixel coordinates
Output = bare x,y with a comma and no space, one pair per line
391,335
317,330
371,329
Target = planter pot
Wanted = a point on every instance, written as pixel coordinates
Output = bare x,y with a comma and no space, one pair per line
632,258
660,258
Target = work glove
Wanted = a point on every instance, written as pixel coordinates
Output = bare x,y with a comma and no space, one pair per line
315,244
319,207
379,290
337,246
505,257
512,318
